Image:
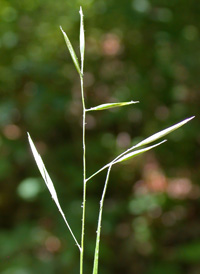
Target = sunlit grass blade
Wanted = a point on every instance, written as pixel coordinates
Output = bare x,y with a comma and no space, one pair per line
111,105
137,152
164,132
72,52
49,183
82,39
146,141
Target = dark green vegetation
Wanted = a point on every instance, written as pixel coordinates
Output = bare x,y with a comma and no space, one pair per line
135,50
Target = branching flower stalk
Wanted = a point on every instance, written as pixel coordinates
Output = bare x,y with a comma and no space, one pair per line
126,155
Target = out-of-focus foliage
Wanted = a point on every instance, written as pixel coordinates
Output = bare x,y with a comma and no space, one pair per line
135,50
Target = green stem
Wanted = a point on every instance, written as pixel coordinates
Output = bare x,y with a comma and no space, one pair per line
96,256
82,51
84,180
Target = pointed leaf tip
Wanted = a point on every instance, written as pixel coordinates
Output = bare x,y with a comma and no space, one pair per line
163,132
192,117
71,50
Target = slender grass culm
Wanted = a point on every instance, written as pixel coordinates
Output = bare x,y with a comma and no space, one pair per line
129,153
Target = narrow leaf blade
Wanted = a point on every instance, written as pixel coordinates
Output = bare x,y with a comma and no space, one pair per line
137,152
71,50
49,184
112,105
82,39
43,170
164,132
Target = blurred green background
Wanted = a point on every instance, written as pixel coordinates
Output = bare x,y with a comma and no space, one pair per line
135,50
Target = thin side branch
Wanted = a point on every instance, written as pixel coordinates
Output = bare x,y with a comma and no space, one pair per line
96,254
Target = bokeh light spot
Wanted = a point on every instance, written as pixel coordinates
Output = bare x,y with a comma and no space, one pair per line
190,32
29,188
10,39
111,44
141,5
12,132
52,244
9,14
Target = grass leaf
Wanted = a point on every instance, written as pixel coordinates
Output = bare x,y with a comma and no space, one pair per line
43,170
49,183
137,152
72,52
82,39
112,105
164,132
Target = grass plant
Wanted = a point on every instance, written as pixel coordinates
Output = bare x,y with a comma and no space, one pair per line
133,151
